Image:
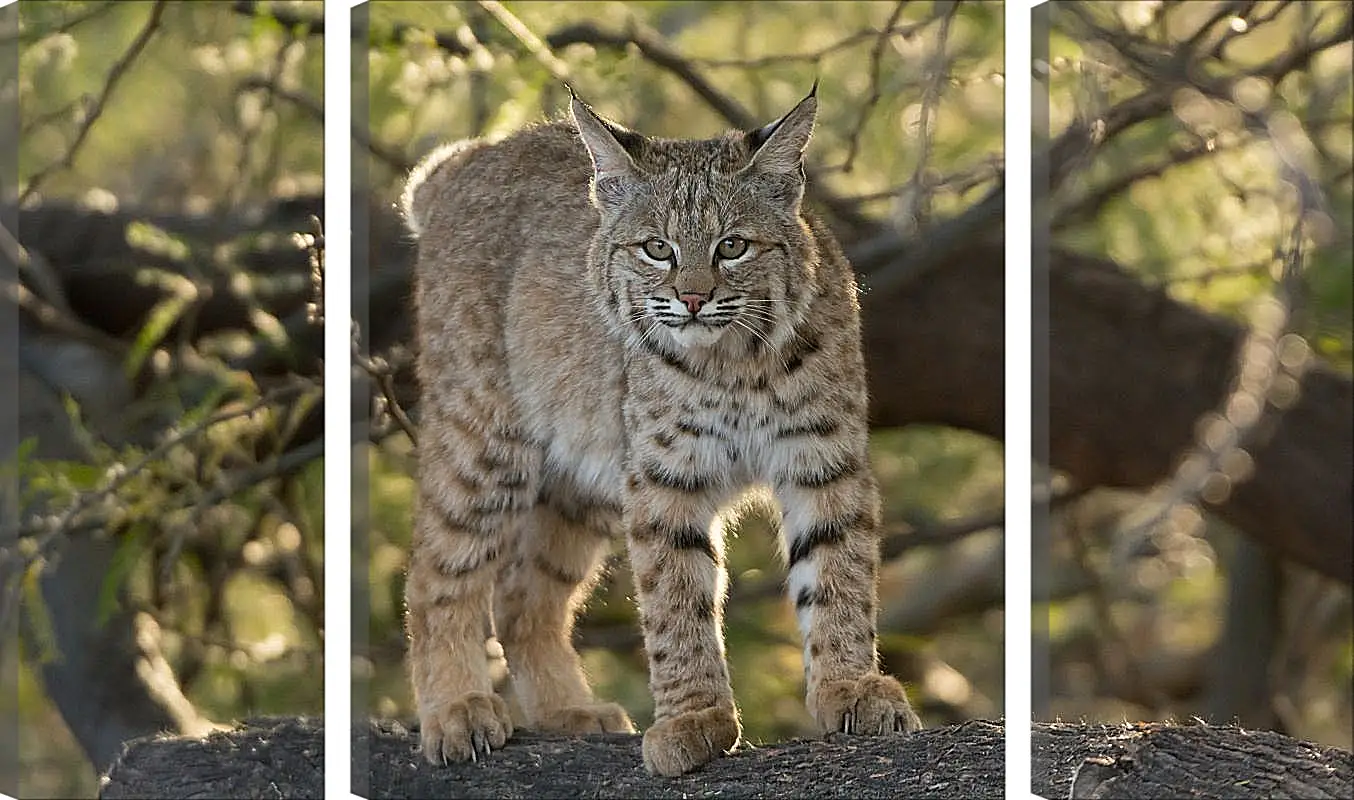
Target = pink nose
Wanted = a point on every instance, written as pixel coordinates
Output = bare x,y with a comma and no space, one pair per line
693,301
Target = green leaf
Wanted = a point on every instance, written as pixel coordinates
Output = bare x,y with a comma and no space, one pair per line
14,471
158,322
35,610
85,438
147,237
264,25
24,452
296,414
80,476
134,544
212,401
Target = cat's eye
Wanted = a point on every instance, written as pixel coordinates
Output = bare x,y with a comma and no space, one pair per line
731,247
658,250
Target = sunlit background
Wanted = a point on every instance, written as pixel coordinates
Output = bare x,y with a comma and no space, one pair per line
1217,138
168,150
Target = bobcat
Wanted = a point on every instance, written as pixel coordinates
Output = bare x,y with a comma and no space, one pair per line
619,335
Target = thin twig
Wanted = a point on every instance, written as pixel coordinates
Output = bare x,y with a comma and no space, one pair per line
381,372
249,133
898,540
315,109
39,272
56,320
1118,659
917,204
1234,271
1222,12
1156,99
48,117
959,182
45,532
876,57
96,110
815,56
539,49
1251,24
277,467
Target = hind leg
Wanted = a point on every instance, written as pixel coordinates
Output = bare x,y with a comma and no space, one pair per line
474,480
551,572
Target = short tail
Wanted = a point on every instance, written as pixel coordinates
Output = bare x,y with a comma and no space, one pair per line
414,202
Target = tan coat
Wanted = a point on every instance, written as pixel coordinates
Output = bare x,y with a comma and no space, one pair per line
622,335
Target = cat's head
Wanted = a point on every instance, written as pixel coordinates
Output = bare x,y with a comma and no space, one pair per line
701,238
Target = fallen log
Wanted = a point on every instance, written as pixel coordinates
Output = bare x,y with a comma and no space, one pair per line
276,757
1155,760
283,758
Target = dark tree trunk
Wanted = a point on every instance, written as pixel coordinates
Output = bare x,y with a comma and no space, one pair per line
1131,371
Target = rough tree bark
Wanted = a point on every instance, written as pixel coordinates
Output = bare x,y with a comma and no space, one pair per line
283,758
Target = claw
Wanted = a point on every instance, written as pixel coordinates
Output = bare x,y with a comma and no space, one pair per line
479,745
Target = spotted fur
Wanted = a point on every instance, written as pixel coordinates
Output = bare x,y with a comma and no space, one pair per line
620,335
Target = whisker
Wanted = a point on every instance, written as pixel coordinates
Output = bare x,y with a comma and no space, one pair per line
644,337
770,347
752,314
771,323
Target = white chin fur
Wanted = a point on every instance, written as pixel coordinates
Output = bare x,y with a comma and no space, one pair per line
693,335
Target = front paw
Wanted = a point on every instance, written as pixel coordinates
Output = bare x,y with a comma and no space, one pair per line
873,704
680,744
591,718
465,729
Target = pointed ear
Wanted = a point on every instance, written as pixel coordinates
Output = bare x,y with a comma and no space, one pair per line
603,140
778,148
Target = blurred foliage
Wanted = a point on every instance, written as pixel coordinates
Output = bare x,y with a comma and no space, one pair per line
193,89
1213,205
445,71
1200,197
216,508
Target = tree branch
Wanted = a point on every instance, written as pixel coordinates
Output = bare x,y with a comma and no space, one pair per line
96,109
876,56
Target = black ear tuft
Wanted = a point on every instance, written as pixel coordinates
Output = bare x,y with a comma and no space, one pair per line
778,148
631,141
756,138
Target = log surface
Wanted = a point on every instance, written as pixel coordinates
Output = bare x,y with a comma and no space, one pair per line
282,758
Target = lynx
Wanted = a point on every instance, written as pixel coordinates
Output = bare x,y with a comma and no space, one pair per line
618,336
